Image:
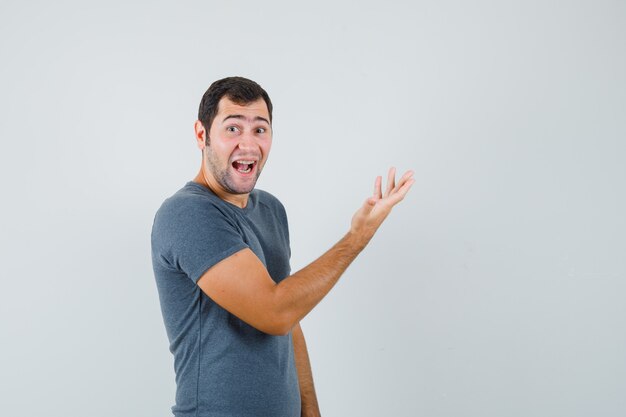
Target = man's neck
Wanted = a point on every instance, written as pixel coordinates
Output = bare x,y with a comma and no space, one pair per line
239,200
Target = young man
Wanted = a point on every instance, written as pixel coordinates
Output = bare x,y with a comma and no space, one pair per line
220,252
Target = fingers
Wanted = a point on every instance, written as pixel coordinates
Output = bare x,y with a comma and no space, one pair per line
378,188
394,192
399,194
405,177
391,181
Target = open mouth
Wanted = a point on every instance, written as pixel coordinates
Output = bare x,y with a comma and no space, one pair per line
244,166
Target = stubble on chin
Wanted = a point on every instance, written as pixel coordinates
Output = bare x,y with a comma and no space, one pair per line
227,182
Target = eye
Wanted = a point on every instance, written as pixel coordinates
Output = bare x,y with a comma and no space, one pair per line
261,130
232,129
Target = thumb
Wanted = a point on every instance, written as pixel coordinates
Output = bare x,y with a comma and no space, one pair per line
369,204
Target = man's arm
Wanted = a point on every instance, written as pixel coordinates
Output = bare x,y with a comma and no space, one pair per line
242,285
310,408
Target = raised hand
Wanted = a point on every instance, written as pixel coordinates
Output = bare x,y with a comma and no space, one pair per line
376,208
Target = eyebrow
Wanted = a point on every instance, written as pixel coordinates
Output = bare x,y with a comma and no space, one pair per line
242,117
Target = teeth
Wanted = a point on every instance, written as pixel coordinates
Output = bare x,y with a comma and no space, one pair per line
245,162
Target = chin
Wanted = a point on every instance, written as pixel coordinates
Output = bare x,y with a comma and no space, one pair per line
243,187
239,188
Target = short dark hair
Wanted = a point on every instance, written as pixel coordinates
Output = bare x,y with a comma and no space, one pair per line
238,89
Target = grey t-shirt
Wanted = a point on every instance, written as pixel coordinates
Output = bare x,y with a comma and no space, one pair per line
224,367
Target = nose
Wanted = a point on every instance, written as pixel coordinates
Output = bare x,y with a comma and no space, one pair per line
247,142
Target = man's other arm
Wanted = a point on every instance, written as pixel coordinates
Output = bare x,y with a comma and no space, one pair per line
310,407
242,285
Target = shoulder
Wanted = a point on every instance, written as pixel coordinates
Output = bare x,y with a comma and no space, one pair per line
270,207
191,197
190,204
269,200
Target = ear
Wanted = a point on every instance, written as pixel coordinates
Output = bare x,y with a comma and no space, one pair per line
200,134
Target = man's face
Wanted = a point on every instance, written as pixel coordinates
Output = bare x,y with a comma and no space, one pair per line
240,139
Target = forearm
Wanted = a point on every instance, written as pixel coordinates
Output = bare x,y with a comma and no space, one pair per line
297,294
310,407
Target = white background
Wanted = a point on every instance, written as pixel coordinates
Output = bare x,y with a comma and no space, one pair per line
496,289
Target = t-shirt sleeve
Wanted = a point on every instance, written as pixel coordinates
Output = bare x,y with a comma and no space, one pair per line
192,237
